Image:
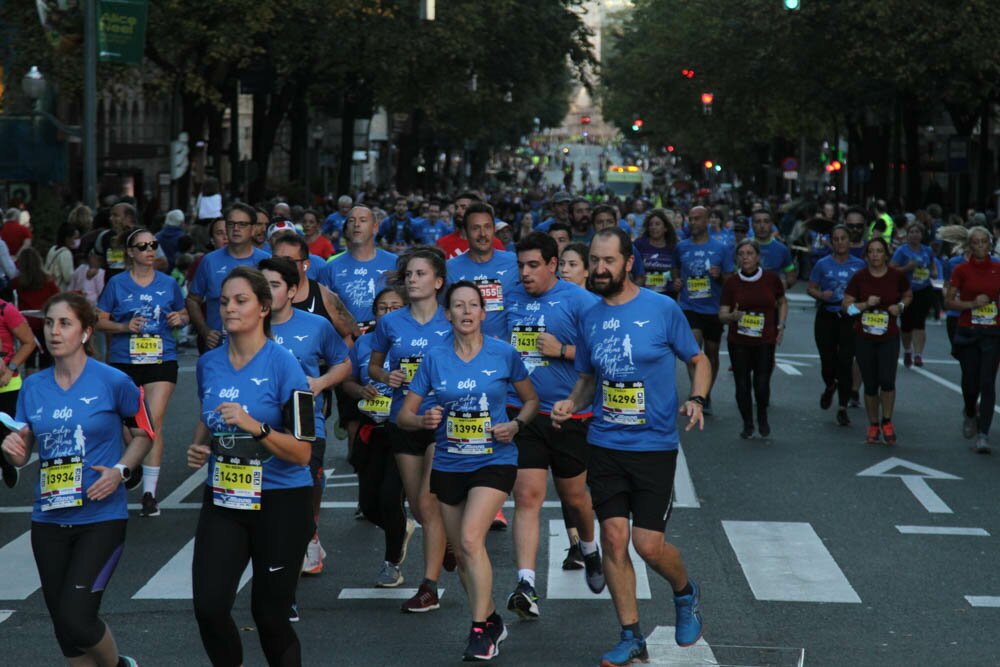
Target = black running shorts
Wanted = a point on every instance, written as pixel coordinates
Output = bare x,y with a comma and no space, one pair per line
632,484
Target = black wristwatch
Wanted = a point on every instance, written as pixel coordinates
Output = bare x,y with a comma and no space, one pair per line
265,430
520,424
700,400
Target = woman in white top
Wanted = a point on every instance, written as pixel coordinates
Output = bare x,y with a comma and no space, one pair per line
59,260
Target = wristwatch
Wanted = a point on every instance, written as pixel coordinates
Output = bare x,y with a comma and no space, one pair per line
265,430
124,470
520,424
12,366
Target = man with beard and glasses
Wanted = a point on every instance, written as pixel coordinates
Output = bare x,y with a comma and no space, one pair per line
626,351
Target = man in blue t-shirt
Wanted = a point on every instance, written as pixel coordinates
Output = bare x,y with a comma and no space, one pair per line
774,255
626,353
206,287
400,230
333,226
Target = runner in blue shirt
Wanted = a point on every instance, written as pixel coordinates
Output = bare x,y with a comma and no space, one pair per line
256,505
140,307
323,356
774,255
404,338
380,488
400,230
475,458
333,226
916,260
494,271
626,355
701,265
833,328
656,246
544,315
206,285
74,412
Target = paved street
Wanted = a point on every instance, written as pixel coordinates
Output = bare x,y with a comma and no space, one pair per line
811,547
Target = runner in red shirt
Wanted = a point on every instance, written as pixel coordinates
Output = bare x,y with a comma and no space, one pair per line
455,244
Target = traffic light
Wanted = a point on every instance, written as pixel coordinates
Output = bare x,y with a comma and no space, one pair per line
670,148
792,5
687,73
708,164
836,165
636,124
717,168
706,102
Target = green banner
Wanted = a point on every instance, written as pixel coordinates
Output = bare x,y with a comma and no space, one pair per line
121,30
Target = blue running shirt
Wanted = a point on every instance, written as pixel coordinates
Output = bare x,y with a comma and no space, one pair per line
700,292
776,257
558,312
632,350
495,278
311,339
376,409
75,429
262,387
920,277
357,283
473,395
829,274
123,299
207,282
405,342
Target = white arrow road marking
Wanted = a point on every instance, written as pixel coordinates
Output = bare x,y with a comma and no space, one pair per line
942,530
916,483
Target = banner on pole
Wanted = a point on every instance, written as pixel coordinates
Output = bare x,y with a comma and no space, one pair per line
121,30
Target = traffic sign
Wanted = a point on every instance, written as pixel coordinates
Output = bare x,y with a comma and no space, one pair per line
789,164
791,175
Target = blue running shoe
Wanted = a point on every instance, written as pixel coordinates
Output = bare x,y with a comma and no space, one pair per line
627,651
689,624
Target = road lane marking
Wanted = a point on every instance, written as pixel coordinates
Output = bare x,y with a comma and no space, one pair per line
173,580
20,574
916,483
942,530
5,614
663,649
787,369
787,562
380,593
684,494
571,584
185,489
941,381
983,600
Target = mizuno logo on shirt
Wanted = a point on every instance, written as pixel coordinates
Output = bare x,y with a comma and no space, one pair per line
88,400
489,373
640,323
500,273
258,381
553,303
159,293
441,333
301,338
223,270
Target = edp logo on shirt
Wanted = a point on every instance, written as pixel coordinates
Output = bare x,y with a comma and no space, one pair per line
418,342
468,383
232,393
613,324
63,413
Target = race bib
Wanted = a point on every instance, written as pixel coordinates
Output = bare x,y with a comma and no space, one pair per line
875,322
468,432
236,482
623,402
657,278
145,349
751,325
699,288
376,408
985,316
115,258
492,292
921,274
13,385
525,341
409,365
61,482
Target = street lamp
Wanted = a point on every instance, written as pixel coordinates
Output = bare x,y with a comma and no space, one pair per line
34,87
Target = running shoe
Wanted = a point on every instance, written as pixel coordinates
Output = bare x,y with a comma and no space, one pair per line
969,427
630,649
595,572
496,629
842,417
888,432
389,576
873,435
747,431
315,555
340,432
127,661
826,399
688,608
524,601
983,444
574,558
855,401
762,426
10,473
411,526
293,613
908,359
450,562
425,599
499,521
706,409
481,646
358,514
149,505
918,360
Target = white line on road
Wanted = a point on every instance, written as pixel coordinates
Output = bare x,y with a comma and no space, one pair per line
787,369
684,494
571,584
925,495
942,530
380,593
787,562
941,381
174,500
5,614
20,575
983,600
173,580
663,649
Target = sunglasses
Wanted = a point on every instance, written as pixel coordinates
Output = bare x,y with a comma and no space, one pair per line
146,245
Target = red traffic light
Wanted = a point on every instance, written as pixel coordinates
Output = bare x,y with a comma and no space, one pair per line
706,98
687,73
670,148
709,164
637,122
585,120
836,165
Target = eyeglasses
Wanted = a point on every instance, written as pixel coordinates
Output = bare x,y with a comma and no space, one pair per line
146,245
242,224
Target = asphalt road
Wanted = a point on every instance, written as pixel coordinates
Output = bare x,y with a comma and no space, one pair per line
801,559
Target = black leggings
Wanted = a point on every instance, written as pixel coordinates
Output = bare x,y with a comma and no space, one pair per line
75,564
835,341
274,538
752,367
979,357
380,488
915,315
877,362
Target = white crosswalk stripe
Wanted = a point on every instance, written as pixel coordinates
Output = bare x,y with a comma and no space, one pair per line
173,580
20,576
571,585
